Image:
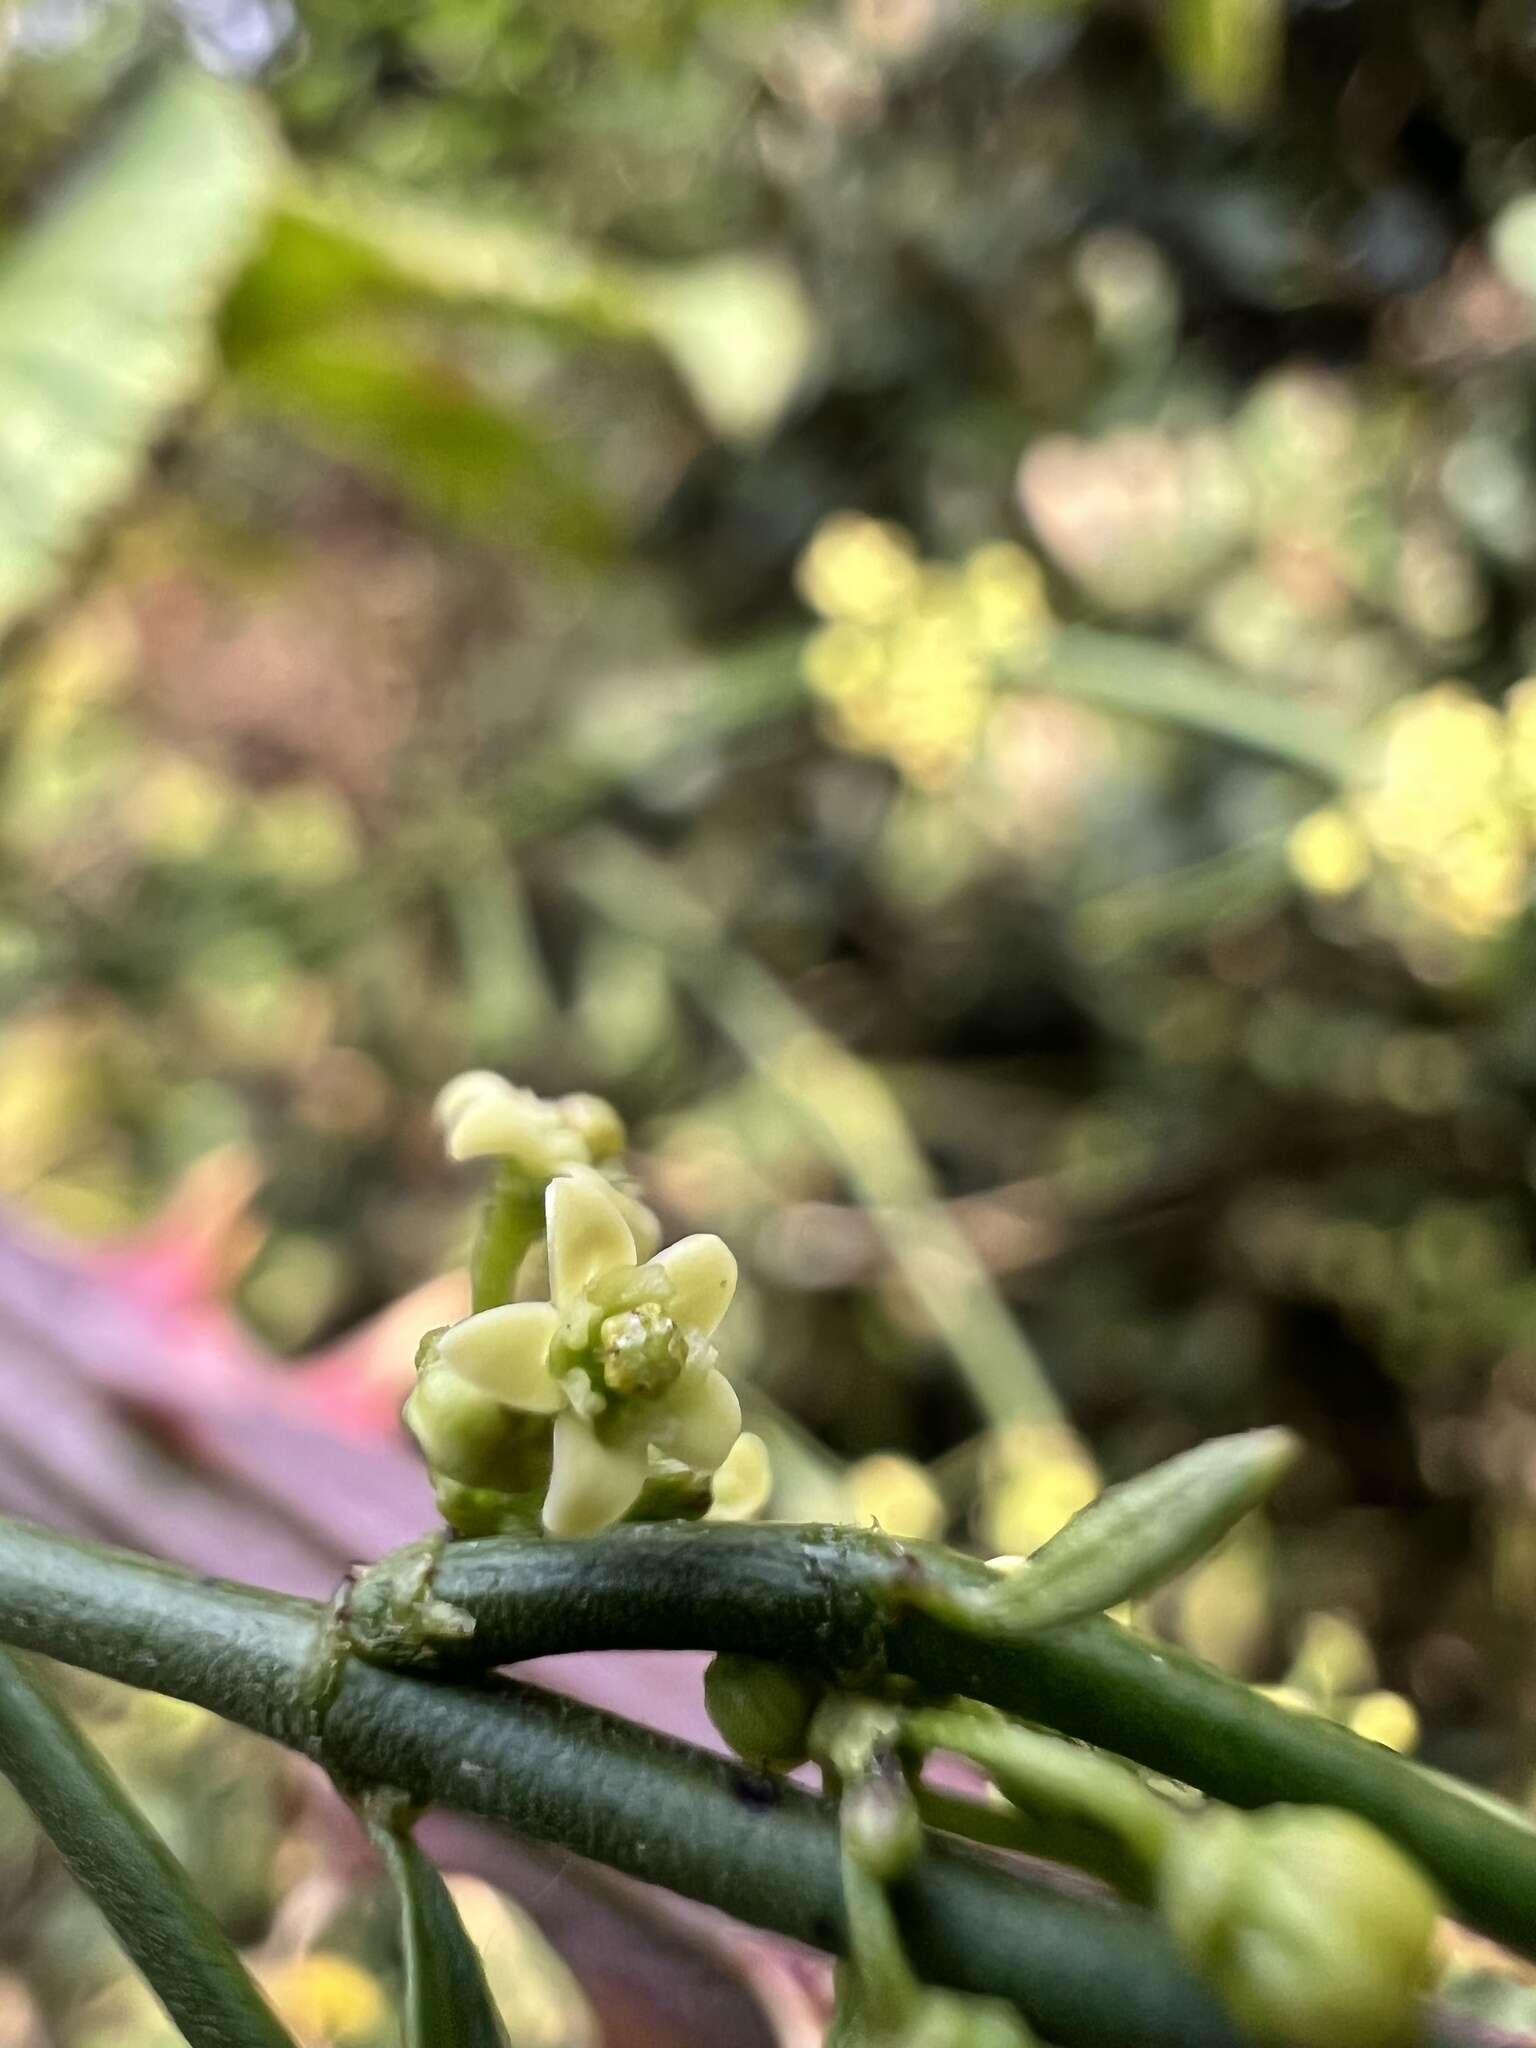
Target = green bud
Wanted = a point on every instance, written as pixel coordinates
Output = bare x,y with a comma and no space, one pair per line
1139,1534
1310,1925
762,1710
468,1437
596,1122
641,1351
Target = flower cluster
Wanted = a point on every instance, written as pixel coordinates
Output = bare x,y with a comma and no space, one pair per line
1447,822
610,1386
905,663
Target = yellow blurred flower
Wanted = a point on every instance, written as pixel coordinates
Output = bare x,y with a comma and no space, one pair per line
1387,1718
1329,853
1448,820
177,809
896,1494
860,569
328,2000
1036,1479
906,664
742,1482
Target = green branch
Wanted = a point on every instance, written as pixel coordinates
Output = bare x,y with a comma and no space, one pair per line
143,1893
559,1772
851,1602
1170,685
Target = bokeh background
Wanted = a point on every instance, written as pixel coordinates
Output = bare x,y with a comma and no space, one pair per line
933,596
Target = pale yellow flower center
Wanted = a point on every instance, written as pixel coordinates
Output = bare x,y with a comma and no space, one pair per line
641,1351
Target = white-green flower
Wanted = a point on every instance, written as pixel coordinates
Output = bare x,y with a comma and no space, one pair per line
620,1357
484,1116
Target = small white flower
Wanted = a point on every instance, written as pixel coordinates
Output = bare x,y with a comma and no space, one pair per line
620,1357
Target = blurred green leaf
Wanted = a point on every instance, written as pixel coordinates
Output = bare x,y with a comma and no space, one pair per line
1175,686
395,403
1228,53
337,238
446,1995
106,305
738,330
846,1107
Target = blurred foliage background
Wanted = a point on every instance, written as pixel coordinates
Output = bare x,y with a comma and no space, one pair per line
935,596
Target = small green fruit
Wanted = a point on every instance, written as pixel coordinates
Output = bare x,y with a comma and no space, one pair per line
1310,1925
762,1710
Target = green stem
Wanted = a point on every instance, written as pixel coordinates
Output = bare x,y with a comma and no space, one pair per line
1173,686
890,1994
855,1603
115,1855
512,1220
560,1772
1058,1781
446,1995
1050,1838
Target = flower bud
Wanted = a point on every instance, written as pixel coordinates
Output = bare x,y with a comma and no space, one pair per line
597,1123
762,1710
1310,1925
469,1437
460,1430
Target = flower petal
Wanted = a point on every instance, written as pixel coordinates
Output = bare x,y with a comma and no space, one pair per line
644,1224
455,1096
743,1483
703,1275
698,1422
586,1234
505,1352
590,1485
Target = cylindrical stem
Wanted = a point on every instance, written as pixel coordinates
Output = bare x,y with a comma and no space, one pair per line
851,1602
560,1772
142,1891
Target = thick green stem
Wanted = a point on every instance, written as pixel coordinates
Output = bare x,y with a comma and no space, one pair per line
115,1855
559,1772
854,1603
